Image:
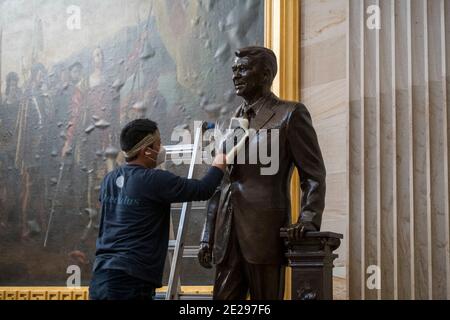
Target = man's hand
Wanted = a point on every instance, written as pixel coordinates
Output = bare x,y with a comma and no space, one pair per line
205,255
220,161
297,230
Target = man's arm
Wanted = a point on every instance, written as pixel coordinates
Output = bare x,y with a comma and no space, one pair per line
173,189
305,150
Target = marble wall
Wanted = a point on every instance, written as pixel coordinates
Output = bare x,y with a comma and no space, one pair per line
378,98
398,149
324,92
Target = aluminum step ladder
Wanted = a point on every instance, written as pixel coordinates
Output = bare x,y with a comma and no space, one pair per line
177,248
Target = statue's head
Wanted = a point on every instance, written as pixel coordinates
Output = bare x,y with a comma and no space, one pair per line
254,69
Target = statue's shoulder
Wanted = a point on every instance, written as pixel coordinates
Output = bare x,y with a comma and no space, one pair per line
288,105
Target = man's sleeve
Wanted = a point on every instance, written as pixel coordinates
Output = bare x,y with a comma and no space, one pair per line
305,151
171,188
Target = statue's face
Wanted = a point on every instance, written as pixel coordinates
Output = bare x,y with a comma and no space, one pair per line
248,77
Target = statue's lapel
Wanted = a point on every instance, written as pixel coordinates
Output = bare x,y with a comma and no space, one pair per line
264,114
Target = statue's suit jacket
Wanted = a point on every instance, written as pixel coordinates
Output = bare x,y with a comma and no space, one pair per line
259,205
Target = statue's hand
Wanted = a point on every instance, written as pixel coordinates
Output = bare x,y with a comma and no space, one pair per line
297,230
205,255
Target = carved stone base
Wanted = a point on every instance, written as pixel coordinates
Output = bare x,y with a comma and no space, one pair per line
311,260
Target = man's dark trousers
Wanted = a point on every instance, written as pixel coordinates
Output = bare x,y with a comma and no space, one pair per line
110,284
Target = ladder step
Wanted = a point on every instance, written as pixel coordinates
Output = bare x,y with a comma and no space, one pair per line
196,208
189,251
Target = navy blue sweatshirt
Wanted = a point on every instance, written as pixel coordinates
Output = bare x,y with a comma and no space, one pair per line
135,218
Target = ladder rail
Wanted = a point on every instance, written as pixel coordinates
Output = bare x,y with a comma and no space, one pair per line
175,269
170,252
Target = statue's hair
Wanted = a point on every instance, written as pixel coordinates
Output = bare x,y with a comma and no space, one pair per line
262,55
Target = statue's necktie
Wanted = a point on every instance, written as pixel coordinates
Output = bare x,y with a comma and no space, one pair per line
249,113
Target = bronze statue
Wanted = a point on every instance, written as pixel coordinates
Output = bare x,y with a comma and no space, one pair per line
242,229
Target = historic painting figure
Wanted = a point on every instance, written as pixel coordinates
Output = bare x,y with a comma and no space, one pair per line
33,140
9,111
245,215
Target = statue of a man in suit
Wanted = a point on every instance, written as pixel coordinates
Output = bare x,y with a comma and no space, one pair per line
244,217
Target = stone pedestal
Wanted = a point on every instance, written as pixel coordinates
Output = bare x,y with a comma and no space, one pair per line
311,260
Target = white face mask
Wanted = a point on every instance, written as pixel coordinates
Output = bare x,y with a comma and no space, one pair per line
161,158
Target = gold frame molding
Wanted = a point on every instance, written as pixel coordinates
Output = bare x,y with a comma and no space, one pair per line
282,35
81,293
